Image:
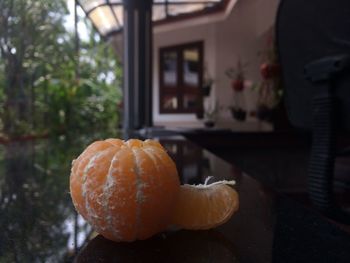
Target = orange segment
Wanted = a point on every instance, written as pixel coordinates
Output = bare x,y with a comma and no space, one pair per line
121,208
204,206
153,194
92,188
78,168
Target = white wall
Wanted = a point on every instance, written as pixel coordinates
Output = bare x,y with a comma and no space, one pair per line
237,36
268,8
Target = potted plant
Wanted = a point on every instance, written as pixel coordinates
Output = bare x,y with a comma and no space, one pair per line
238,113
236,74
206,88
207,83
270,89
268,101
210,115
269,70
237,84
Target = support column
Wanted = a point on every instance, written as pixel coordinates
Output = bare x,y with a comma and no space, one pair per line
137,86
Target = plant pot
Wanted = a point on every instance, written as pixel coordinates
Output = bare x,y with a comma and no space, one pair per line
209,124
199,114
239,114
265,113
206,90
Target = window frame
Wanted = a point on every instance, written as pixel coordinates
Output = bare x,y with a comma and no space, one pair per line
180,90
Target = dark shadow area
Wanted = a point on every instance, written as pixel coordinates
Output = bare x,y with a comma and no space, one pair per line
182,246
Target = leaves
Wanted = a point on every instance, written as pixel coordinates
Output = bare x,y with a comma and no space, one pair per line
40,86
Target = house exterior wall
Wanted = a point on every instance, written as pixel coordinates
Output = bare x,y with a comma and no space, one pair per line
238,36
205,33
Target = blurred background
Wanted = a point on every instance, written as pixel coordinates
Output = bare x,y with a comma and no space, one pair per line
212,66
60,88
54,78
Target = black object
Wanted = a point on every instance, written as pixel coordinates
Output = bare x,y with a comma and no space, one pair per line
206,90
238,113
137,70
306,237
313,40
209,124
265,113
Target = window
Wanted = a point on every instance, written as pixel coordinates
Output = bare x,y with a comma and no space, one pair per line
180,78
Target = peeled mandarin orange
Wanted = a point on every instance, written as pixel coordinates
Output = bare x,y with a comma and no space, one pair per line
205,206
130,190
125,190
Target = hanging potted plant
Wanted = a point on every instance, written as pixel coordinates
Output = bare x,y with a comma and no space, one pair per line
236,75
269,69
210,115
270,91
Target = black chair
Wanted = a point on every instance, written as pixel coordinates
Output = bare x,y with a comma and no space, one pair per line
313,41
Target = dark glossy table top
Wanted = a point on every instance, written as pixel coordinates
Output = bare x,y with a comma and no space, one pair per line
39,224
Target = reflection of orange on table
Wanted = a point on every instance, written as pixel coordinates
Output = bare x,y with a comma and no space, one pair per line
130,190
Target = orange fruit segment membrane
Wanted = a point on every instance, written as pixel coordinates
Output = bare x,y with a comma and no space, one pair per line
205,206
130,190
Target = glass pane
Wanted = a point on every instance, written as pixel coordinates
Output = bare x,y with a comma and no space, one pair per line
191,67
118,11
170,102
87,5
103,19
158,12
190,101
170,68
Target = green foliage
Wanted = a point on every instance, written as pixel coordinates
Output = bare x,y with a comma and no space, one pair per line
89,101
34,199
44,85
